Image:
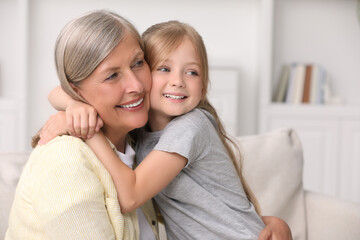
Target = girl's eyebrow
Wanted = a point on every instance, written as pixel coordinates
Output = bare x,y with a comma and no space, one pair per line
188,63
194,63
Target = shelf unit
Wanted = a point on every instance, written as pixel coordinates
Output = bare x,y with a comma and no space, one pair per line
326,32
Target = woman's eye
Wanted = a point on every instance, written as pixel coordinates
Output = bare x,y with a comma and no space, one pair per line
138,63
112,76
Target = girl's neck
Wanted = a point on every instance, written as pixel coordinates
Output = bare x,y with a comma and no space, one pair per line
158,122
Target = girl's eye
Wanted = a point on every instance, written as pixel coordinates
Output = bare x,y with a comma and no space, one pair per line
163,69
138,63
112,76
192,73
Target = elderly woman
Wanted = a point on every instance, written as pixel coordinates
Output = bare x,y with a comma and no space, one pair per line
64,191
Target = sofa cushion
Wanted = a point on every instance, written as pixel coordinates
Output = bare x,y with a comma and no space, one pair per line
11,165
273,167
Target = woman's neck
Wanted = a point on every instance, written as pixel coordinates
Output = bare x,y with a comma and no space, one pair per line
116,137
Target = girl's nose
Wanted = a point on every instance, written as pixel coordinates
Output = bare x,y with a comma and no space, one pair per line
177,80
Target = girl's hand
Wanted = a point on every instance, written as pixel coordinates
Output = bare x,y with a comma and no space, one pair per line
275,229
82,120
53,127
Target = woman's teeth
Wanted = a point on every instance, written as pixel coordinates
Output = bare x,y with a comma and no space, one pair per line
173,96
132,104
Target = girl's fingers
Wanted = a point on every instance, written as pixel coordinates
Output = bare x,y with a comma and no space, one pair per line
70,124
92,124
82,120
77,125
84,128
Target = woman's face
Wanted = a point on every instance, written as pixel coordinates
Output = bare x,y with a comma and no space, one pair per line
119,88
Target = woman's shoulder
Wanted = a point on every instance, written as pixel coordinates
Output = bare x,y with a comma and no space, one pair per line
62,149
64,142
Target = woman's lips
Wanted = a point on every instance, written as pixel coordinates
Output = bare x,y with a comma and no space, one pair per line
131,105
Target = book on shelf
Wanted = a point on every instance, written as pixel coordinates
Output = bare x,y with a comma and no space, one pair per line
299,80
307,84
314,84
291,84
280,93
301,83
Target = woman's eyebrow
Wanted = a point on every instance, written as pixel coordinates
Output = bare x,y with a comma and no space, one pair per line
137,54
107,67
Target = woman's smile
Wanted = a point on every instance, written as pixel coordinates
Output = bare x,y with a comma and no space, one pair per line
132,105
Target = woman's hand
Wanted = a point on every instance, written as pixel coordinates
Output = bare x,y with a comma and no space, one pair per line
275,229
82,120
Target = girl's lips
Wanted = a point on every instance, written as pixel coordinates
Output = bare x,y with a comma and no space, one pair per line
174,96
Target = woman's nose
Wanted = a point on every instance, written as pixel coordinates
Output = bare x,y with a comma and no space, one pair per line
134,84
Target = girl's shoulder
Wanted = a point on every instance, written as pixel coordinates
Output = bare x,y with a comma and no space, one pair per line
196,116
197,121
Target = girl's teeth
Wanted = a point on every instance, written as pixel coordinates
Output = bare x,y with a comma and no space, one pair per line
173,96
132,104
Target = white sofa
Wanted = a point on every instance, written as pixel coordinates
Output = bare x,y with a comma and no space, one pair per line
273,164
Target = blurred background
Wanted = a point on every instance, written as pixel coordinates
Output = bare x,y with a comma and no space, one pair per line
248,43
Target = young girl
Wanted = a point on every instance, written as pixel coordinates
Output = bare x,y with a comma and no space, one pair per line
185,160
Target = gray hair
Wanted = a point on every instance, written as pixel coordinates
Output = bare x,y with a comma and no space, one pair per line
84,43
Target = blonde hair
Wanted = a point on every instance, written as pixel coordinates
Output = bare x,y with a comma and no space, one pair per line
163,38
84,43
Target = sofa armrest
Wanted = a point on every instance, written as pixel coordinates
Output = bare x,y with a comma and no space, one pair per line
11,165
331,218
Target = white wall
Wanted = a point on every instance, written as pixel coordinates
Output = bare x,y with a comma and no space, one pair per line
229,29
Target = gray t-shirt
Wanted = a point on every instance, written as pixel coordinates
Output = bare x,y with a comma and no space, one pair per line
206,199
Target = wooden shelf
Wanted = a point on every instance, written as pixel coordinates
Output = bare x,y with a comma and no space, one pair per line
315,110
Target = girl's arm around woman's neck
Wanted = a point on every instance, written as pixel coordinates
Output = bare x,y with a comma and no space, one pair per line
135,187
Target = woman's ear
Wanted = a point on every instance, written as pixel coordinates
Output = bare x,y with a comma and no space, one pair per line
75,88
76,93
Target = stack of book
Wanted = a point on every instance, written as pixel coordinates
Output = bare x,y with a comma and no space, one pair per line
301,83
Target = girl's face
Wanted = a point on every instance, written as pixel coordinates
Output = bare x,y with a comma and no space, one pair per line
119,88
177,84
